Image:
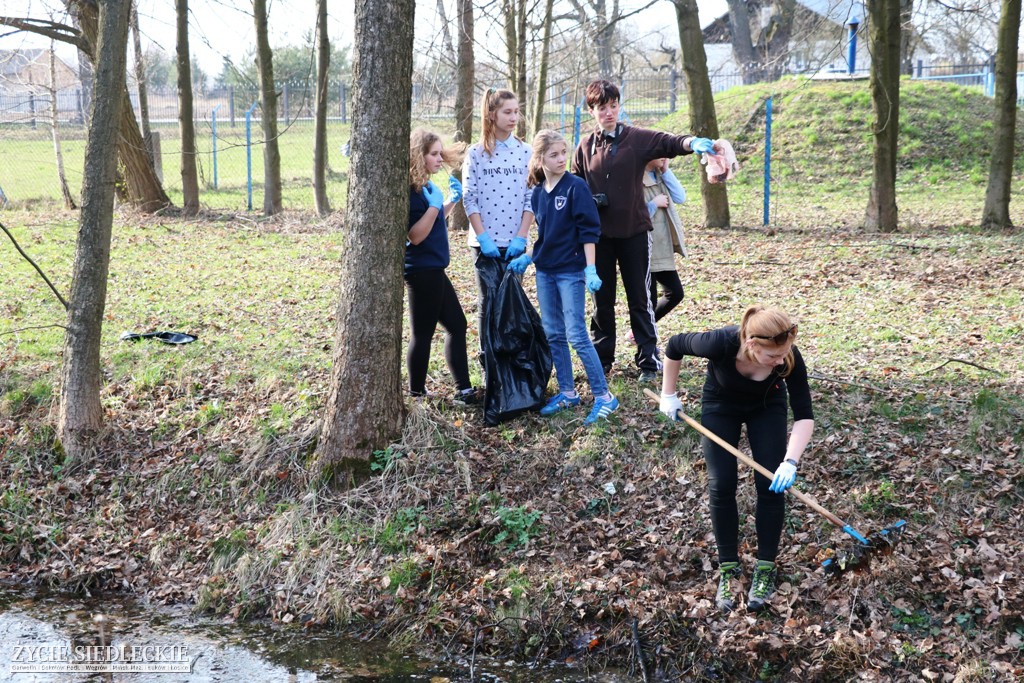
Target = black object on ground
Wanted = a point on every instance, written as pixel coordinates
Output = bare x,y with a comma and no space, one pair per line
165,337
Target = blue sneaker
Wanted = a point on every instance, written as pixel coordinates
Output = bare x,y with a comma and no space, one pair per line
559,402
601,410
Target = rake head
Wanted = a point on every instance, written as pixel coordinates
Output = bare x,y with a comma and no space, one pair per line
858,557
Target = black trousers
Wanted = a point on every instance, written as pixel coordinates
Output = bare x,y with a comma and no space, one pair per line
766,431
432,300
672,292
632,257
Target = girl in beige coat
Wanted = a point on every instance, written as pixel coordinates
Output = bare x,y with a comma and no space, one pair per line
662,192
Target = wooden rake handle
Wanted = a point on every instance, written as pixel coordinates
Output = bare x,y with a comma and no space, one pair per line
750,462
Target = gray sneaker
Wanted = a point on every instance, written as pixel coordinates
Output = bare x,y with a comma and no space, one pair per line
725,599
762,587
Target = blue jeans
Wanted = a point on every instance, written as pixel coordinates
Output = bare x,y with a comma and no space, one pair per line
562,299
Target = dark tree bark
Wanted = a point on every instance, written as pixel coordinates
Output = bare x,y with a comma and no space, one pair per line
762,56
703,119
884,16
140,79
996,214
542,75
465,75
81,415
141,187
268,103
186,125
365,410
323,64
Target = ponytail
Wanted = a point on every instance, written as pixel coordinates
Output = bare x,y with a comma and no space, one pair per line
492,100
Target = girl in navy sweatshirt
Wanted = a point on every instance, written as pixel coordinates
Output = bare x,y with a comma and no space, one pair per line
568,227
432,299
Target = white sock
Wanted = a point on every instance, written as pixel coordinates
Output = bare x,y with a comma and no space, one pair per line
569,394
607,397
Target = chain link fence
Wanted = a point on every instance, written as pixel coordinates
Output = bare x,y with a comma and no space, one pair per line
229,137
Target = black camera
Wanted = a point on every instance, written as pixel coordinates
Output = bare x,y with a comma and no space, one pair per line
601,199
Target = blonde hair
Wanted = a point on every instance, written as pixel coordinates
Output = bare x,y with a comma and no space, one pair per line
542,142
760,325
420,143
492,101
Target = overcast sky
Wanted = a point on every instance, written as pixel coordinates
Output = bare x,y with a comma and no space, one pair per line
221,28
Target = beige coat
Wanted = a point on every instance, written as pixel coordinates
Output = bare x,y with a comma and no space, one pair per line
667,238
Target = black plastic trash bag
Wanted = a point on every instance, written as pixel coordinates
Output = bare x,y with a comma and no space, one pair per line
165,337
517,358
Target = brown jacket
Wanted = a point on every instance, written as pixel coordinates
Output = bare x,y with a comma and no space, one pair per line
616,168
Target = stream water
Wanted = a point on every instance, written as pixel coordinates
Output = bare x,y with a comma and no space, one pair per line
44,631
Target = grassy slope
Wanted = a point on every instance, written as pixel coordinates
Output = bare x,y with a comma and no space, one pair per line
203,494
821,152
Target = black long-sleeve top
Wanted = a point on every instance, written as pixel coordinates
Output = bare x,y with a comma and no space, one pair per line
721,347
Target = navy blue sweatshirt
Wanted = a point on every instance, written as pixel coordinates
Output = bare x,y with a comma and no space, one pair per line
566,220
724,381
432,253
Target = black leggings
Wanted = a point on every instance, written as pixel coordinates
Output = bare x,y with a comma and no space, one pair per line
766,431
672,294
433,300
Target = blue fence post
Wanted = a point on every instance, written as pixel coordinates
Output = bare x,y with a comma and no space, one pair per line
248,155
990,78
213,115
576,128
231,105
767,157
851,55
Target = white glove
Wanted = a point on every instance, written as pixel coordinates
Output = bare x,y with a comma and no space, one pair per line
784,477
669,405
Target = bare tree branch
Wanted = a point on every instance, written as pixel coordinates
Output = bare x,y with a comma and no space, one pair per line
51,29
38,269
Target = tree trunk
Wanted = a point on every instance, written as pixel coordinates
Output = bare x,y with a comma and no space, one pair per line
906,36
884,15
776,39
542,76
323,64
996,214
520,86
186,125
69,201
81,415
365,410
268,103
703,119
742,42
142,188
140,80
465,76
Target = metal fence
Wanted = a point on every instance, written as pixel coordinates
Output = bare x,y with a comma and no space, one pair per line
229,137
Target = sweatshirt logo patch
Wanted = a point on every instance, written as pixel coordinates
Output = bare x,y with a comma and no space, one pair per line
560,203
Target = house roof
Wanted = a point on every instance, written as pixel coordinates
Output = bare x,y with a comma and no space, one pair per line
836,11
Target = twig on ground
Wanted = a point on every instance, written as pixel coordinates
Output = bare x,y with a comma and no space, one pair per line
638,647
33,327
38,269
824,378
965,362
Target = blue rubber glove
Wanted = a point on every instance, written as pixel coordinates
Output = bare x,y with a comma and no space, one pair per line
432,193
454,189
487,246
702,146
593,281
520,264
784,477
516,247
